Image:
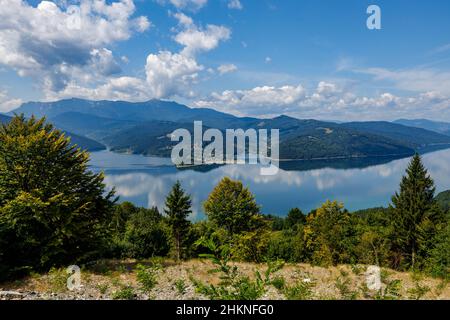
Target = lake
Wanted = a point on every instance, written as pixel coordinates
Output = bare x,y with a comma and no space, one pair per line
358,183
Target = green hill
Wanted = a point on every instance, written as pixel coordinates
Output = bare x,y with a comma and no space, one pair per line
443,199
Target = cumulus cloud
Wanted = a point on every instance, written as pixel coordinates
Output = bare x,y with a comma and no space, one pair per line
235,4
327,101
167,74
119,88
7,103
226,68
171,73
55,43
261,101
196,39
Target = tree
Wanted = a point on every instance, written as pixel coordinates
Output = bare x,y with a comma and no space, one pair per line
438,263
329,235
415,215
231,206
178,208
146,235
53,209
295,216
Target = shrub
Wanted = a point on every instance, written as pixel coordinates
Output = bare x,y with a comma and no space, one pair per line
146,276
299,291
146,235
233,285
180,286
278,282
124,293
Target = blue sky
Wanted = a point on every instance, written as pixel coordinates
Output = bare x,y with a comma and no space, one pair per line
308,59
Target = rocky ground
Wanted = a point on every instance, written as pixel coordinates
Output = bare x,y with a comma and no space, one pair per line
120,280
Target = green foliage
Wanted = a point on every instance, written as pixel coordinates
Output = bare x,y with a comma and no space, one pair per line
180,286
418,292
146,235
57,279
415,216
300,291
53,209
287,245
103,288
178,208
329,235
295,216
146,276
278,282
443,200
231,206
438,263
124,293
252,245
343,284
233,285
391,290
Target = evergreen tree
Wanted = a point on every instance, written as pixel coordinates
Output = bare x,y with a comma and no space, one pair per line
232,206
178,208
53,209
415,215
295,216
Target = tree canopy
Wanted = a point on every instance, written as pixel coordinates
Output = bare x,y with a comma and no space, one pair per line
53,209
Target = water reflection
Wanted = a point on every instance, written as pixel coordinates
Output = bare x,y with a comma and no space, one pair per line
146,181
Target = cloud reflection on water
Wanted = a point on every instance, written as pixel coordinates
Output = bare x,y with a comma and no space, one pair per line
146,182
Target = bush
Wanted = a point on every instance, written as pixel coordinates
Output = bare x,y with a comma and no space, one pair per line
233,285
180,286
146,276
299,291
146,235
124,293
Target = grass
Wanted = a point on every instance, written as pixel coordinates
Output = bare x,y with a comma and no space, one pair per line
180,286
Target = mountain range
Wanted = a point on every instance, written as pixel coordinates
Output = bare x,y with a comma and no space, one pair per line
145,127
81,141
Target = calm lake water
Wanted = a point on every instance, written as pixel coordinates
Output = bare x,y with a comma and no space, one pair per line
358,183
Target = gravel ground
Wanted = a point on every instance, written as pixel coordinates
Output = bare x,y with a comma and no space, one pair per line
118,280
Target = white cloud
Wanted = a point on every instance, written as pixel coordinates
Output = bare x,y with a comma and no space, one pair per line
54,44
235,4
7,103
415,79
167,74
171,73
327,101
261,101
192,5
196,39
226,68
120,88
268,59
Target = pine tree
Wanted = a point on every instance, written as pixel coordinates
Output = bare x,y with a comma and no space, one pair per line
53,209
178,208
415,215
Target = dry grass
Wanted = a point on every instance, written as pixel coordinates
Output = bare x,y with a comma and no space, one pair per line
105,278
